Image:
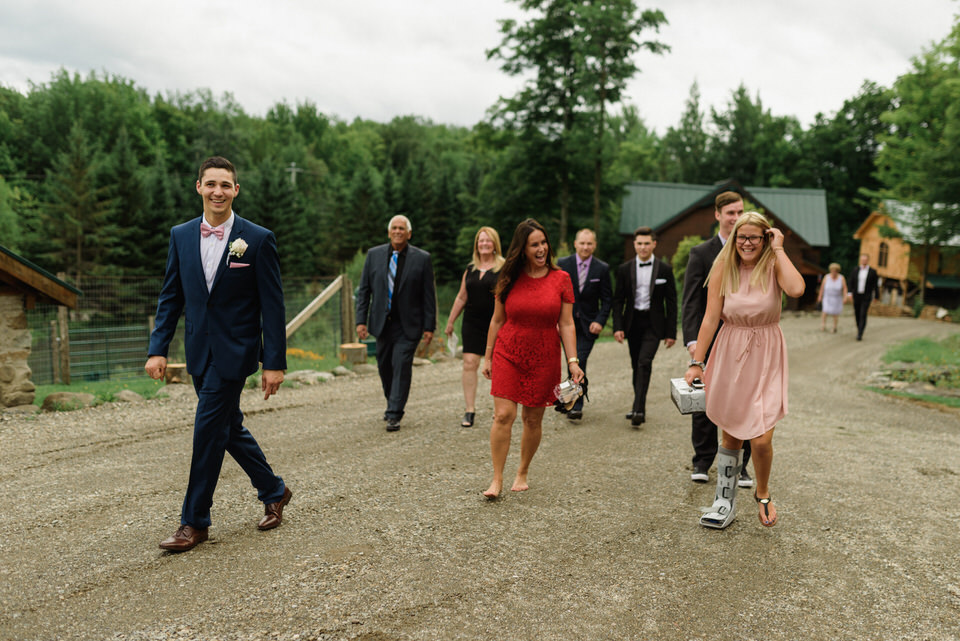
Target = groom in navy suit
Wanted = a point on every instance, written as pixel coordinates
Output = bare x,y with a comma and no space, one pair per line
223,272
592,297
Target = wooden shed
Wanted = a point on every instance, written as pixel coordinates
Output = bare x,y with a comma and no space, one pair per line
22,286
888,237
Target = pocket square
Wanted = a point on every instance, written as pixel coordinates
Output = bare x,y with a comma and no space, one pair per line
235,265
660,281
594,280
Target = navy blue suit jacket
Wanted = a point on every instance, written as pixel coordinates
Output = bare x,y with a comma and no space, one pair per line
240,322
592,305
414,294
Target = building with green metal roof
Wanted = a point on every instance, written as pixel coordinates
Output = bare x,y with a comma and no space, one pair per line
677,210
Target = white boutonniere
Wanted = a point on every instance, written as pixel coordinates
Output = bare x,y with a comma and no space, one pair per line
237,247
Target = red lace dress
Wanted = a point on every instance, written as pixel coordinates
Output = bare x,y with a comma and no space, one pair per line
526,357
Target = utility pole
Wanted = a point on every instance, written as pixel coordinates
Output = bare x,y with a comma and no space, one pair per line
294,170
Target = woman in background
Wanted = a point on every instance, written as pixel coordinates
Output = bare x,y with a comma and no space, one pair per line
475,299
833,291
532,316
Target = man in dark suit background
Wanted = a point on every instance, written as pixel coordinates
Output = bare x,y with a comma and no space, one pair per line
224,273
398,301
645,312
728,206
592,296
863,284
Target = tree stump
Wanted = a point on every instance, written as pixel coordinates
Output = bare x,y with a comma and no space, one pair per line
177,373
353,353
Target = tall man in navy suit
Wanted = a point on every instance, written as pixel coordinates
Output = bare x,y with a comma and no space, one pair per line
592,297
728,206
644,312
223,272
397,303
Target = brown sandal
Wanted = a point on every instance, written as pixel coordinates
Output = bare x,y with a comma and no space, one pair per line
765,506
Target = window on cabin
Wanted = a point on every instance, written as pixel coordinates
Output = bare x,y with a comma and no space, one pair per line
884,253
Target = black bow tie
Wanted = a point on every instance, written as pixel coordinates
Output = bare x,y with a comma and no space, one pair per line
646,264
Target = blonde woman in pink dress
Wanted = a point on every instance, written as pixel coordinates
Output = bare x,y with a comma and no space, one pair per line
746,383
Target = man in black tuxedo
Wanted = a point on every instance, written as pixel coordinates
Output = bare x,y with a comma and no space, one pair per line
399,279
863,284
728,206
645,312
592,296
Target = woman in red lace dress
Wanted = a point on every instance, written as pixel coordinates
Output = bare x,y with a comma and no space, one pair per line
533,314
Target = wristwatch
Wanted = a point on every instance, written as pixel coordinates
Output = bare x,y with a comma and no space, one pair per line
699,364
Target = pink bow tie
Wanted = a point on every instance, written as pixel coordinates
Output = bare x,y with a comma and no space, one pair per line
206,230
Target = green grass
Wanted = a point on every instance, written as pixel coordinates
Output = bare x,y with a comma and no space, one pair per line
927,361
927,351
103,391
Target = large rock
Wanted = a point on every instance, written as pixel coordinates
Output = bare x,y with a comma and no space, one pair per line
129,396
176,392
306,377
21,409
365,368
59,401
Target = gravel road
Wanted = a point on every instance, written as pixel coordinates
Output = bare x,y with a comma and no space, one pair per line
387,536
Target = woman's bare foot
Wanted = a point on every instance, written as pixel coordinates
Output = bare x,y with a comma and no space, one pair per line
520,483
493,491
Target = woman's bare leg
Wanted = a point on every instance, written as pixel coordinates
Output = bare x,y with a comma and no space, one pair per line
762,456
504,413
529,442
470,364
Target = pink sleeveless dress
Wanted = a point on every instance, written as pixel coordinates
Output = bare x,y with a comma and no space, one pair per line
746,377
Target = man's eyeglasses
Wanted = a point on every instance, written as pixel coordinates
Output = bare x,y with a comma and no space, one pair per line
749,240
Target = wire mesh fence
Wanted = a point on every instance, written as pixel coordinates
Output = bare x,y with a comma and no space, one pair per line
108,333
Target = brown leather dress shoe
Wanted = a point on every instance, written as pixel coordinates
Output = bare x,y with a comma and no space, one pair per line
185,538
273,512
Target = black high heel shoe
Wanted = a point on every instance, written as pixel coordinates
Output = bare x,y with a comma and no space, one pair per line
468,419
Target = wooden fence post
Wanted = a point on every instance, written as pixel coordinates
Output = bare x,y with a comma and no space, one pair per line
63,315
348,318
55,351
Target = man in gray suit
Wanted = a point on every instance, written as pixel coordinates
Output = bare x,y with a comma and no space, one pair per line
398,277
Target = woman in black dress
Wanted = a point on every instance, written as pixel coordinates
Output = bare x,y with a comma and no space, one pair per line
475,300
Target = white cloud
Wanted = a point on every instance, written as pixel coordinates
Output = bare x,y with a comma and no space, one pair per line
378,59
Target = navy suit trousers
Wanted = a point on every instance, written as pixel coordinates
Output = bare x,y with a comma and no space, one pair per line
218,428
585,342
395,363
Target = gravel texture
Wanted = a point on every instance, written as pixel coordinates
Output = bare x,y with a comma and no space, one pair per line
388,538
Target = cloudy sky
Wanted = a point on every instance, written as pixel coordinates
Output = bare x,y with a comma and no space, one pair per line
377,59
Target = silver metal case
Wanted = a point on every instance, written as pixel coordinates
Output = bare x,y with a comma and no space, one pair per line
688,399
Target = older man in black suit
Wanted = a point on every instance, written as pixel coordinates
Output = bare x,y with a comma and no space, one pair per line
398,277
592,296
728,206
863,284
645,312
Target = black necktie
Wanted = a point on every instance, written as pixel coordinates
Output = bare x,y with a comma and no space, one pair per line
647,264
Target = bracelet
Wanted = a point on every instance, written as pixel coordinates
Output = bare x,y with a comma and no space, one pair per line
778,248
573,360
695,363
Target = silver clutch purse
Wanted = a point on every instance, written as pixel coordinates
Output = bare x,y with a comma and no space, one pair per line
688,399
